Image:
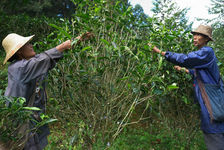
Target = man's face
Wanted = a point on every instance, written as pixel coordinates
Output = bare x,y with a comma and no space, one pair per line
200,40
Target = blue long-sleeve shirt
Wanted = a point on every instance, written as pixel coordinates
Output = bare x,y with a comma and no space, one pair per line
205,63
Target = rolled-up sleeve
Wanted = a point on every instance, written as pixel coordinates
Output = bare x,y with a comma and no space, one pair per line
197,59
40,64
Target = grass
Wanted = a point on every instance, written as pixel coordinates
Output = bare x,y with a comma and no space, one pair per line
159,134
134,139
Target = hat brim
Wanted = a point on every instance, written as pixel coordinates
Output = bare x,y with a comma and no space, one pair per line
193,32
12,52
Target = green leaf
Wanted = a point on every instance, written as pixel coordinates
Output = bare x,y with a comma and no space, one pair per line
171,37
155,78
160,62
50,120
86,48
105,41
110,19
129,8
97,9
74,41
61,30
172,86
31,108
124,78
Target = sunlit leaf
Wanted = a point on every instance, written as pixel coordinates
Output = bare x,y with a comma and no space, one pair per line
172,86
50,120
31,108
105,41
86,48
61,30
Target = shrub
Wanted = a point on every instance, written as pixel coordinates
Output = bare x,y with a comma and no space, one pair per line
13,116
102,81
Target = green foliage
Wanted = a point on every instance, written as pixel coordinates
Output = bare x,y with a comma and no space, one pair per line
165,139
159,134
25,26
217,8
12,117
33,8
218,36
3,75
170,14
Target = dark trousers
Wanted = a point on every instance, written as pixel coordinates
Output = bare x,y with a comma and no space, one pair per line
38,140
214,141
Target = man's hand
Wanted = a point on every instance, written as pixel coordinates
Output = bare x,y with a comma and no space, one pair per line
178,68
63,46
156,50
86,36
83,37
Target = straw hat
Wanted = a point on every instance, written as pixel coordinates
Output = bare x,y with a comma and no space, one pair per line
12,43
205,30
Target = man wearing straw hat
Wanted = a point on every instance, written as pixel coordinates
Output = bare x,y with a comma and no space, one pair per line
26,76
201,64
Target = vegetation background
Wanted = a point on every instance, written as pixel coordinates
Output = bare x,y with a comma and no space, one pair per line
111,92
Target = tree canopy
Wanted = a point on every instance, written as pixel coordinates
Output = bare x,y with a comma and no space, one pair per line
49,8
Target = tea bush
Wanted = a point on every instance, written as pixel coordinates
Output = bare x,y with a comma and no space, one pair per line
13,116
101,82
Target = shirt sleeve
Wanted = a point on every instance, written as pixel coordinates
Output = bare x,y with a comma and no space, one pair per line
191,72
196,59
40,64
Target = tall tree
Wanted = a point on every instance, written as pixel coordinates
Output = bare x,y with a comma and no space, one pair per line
139,14
168,13
50,8
217,8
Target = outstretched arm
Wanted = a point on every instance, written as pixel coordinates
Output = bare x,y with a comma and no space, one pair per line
63,46
195,59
